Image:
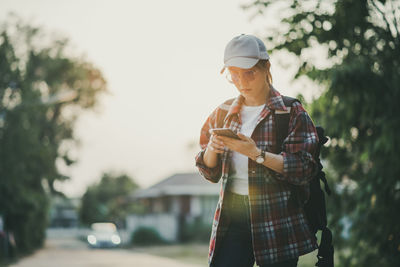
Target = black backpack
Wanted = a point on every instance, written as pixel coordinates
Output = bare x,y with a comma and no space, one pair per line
314,208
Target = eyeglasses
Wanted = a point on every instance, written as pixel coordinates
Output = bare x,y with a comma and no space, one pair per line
233,76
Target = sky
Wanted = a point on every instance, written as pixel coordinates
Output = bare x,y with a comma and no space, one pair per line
161,60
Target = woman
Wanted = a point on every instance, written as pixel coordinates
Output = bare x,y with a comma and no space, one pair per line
259,215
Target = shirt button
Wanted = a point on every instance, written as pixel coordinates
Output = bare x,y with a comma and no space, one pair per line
253,172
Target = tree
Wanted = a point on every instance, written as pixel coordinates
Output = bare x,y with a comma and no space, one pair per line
108,200
359,109
42,92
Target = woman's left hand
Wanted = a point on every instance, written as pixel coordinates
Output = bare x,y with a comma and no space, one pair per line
245,146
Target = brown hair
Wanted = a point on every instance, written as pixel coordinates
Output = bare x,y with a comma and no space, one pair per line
265,64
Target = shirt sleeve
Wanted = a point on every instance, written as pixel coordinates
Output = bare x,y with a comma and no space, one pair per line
299,147
211,174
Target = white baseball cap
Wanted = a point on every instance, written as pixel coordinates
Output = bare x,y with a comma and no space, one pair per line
244,51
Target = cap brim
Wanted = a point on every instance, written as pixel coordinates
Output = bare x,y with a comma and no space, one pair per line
241,62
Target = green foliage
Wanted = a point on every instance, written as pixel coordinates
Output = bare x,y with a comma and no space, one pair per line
38,82
359,110
196,231
146,236
108,200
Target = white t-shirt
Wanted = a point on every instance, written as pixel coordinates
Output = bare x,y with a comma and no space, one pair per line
239,162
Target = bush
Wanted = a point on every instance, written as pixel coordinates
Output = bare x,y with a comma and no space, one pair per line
146,236
196,231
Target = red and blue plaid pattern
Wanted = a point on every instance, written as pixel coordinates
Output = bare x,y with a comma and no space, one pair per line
278,223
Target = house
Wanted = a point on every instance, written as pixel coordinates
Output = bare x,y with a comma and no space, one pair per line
175,202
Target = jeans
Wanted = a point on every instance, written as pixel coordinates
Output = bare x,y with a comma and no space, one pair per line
236,249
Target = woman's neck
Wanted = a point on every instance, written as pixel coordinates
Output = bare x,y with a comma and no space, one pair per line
260,99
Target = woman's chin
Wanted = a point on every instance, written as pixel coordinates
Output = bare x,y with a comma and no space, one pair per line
245,93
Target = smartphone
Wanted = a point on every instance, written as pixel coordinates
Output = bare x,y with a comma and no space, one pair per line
225,132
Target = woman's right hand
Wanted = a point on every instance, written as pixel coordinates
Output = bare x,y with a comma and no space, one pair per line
215,144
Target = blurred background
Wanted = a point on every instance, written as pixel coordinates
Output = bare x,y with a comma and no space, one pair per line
101,105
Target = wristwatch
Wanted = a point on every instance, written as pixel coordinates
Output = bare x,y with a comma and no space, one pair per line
260,158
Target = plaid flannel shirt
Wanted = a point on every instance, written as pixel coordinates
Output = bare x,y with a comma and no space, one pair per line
278,223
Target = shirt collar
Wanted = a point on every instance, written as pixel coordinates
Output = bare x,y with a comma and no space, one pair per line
274,102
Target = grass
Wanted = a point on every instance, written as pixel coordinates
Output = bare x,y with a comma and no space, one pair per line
195,253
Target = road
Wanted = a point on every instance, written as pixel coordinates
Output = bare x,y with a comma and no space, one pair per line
67,252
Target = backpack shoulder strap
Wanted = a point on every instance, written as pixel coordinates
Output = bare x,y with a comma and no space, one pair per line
282,119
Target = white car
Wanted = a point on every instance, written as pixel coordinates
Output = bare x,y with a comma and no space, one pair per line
103,235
